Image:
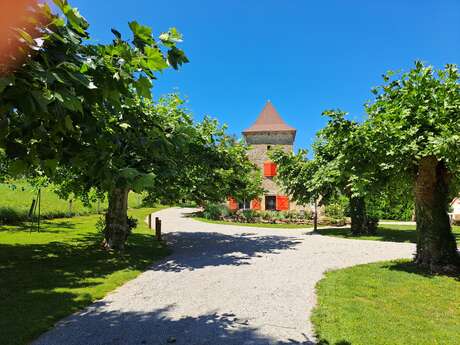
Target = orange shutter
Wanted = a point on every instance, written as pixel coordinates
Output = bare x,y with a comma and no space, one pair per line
269,169
282,203
255,205
232,203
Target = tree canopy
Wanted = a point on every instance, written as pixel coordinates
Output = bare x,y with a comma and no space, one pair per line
414,124
83,115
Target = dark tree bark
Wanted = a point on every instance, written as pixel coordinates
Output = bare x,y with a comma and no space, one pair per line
436,245
116,220
358,215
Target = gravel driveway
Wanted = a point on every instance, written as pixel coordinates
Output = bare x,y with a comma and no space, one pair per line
223,285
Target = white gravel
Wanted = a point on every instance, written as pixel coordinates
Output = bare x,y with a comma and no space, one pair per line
223,285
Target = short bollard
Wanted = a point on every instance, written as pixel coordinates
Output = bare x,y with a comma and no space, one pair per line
158,228
150,221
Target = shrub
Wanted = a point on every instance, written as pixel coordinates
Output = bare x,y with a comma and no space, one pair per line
335,210
215,211
247,216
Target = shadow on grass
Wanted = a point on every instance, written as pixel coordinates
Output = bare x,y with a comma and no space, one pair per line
412,268
45,226
41,283
195,250
401,233
341,342
383,234
100,325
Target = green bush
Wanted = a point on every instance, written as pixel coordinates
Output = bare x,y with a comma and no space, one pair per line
215,211
335,210
247,216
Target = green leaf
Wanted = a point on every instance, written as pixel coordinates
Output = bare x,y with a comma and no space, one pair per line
116,33
6,81
17,167
143,182
143,86
142,34
50,165
68,123
154,59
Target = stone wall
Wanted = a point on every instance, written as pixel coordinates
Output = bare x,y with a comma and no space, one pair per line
260,144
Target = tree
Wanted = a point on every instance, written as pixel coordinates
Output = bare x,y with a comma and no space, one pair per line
414,123
212,167
82,112
338,166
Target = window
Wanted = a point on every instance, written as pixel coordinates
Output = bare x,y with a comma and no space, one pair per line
270,202
244,205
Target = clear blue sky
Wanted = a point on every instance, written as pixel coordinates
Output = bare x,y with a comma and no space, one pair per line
305,56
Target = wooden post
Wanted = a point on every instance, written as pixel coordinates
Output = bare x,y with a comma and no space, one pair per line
315,217
39,206
150,220
158,228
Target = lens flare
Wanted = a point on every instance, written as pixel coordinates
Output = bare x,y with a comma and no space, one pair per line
19,20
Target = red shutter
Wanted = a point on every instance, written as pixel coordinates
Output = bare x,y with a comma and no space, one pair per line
255,204
232,204
282,203
269,169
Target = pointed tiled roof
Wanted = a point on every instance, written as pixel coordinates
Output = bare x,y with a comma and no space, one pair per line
269,121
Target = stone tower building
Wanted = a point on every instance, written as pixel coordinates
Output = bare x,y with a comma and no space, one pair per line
268,131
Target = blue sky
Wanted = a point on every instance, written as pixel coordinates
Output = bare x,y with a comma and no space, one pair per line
305,56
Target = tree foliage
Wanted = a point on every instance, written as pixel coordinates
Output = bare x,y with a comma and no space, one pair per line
338,167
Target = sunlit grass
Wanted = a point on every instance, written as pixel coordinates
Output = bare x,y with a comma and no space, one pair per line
16,199
387,303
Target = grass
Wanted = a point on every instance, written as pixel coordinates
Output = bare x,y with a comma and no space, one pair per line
387,303
390,233
48,275
15,203
255,225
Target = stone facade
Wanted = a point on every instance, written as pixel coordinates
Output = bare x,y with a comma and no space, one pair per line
270,131
260,145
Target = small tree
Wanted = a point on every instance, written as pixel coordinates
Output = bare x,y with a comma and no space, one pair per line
338,166
414,126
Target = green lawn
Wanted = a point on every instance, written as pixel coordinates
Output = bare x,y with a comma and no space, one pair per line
389,303
255,225
390,233
15,203
48,275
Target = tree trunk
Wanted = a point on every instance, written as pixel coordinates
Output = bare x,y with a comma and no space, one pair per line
436,246
358,215
116,220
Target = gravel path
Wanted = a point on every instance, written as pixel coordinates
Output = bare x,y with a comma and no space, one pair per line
223,285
